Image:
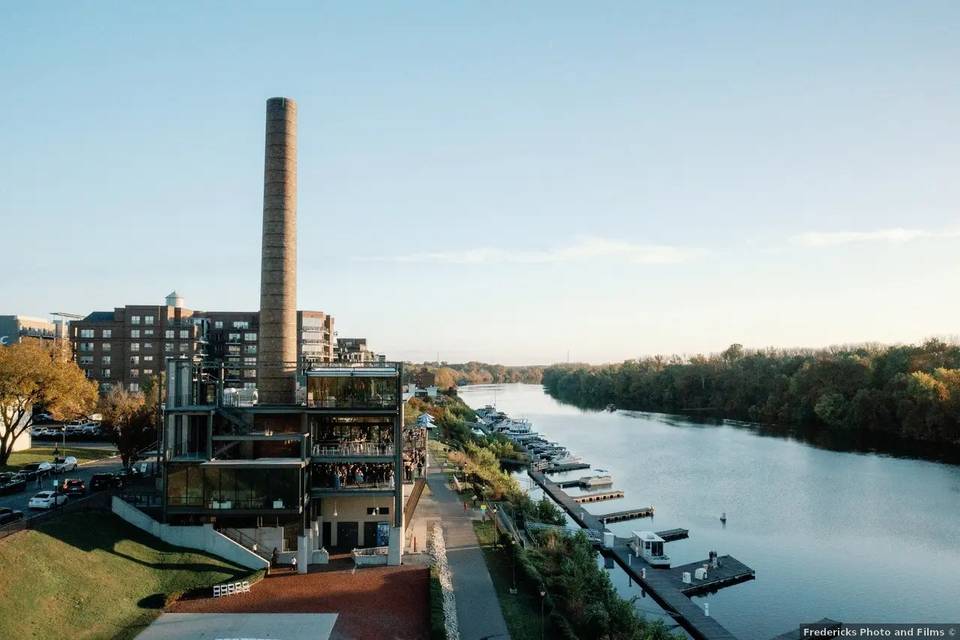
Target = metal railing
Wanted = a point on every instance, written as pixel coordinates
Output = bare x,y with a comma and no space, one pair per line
354,449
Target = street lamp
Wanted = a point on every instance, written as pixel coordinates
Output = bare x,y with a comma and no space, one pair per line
496,529
513,564
542,594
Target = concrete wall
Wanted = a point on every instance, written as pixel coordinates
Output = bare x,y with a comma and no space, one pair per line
202,538
354,509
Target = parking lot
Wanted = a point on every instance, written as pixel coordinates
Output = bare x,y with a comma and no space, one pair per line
18,501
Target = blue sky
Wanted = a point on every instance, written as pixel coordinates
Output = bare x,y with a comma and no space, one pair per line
499,181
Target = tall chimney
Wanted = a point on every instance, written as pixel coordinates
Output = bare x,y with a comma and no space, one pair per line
277,357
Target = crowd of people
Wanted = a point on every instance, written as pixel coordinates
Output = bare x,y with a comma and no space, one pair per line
355,475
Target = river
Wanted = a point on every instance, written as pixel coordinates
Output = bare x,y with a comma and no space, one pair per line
852,536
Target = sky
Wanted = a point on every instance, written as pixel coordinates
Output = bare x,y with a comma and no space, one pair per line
508,182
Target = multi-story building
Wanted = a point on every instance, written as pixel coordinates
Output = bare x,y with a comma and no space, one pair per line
16,329
326,470
130,344
355,350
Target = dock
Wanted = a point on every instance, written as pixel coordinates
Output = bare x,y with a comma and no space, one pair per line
627,514
566,466
665,586
600,496
667,589
587,482
671,535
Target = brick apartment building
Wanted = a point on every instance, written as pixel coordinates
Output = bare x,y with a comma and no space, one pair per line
130,344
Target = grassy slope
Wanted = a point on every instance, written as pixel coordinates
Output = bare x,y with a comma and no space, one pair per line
44,454
522,611
94,575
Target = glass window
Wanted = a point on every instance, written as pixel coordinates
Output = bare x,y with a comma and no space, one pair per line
250,337
134,386
134,359
249,348
168,347
218,324
135,373
134,333
134,346
106,346
351,392
86,346
184,347
147,346
134,319
233,337
148,372
107,333
147,333
85,360
241,324
184,333
148,358
86,333
169,334
105,360
106,373
147,319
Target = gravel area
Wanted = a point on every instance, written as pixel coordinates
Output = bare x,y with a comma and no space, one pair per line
375,603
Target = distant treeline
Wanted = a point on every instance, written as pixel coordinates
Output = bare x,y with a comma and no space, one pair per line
450,375
911,391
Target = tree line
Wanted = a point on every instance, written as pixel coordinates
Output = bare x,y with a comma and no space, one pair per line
912,391
452,374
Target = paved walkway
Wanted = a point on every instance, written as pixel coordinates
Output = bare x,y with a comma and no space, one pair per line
478,610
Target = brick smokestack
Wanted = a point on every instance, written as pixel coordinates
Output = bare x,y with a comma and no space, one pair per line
277,366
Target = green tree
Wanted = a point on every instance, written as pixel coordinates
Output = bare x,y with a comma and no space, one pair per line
32,373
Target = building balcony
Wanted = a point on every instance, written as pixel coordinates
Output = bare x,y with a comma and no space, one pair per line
329,479
353,449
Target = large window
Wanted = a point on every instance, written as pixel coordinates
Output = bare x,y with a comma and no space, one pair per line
86,333
367,475
108,333
214,487
353,392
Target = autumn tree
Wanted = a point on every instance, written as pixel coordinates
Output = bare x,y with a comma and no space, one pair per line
130,421
33,373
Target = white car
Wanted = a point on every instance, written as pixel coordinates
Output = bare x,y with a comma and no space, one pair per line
47,500
61,465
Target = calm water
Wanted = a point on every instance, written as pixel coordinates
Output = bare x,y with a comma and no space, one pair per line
858,537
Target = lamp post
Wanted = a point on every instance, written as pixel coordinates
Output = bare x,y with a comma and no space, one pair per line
496,529
513,564
542,594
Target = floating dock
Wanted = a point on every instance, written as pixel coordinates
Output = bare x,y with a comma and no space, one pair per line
587,482
600,496
674,534
665,586
627,514
566,466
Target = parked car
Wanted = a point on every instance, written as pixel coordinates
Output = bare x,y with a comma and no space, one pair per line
73,487
61,464
40,418
101,481
9,515
123,477
47,500
36,470
90,429
11,483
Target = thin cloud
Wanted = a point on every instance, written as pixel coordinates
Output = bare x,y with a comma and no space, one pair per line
584,250
894,236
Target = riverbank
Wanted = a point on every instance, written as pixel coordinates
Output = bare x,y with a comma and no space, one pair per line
815,524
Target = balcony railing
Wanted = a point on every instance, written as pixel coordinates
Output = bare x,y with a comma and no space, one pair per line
382,485
228,504
354,449
332,402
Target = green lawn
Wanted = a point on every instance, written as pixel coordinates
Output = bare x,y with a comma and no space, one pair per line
522,611
45,454
91,575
